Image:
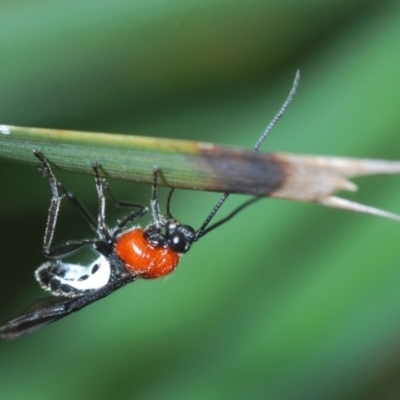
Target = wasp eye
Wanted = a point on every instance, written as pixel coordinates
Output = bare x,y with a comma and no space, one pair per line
177,242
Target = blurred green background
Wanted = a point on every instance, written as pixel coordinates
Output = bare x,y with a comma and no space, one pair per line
288,301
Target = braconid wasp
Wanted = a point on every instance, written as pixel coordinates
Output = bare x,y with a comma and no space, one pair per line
124,254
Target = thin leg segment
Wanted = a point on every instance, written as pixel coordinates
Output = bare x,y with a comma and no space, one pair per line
155,206
54,203
133,216
80,207
101,217
54,210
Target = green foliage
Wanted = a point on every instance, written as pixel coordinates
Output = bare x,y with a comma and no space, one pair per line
288,301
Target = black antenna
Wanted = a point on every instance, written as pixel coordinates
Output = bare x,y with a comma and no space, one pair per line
202,230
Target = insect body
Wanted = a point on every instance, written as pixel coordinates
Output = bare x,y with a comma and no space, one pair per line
142,258
124,255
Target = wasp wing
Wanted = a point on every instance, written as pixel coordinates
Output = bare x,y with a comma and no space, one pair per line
51,309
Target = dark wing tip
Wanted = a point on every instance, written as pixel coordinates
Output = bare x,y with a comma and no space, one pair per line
39,314
50,309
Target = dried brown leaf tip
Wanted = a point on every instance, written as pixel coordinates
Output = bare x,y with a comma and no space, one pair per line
316,178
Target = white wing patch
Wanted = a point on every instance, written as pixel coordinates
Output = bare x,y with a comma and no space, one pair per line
73,280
